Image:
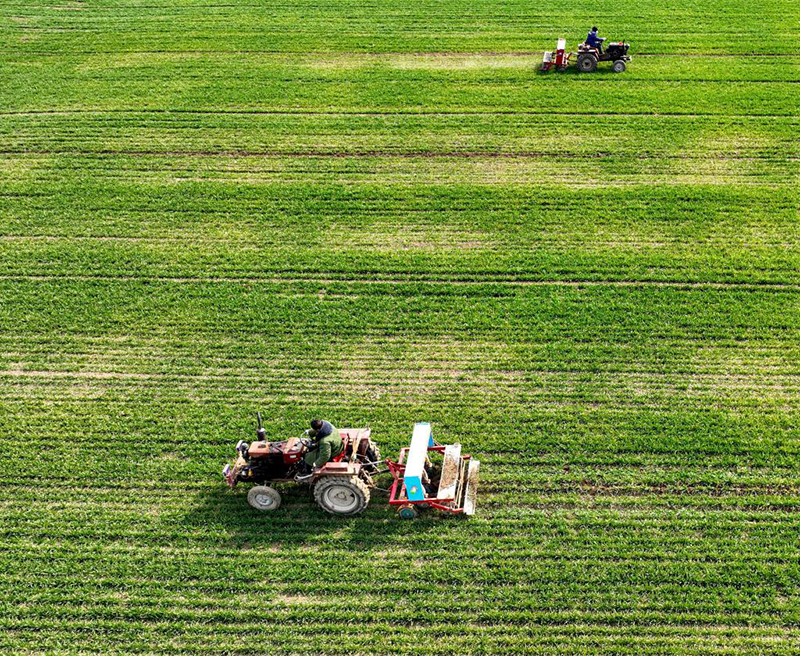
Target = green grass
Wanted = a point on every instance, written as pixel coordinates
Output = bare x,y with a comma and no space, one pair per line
381,213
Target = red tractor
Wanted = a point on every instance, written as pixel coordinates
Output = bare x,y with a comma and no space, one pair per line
589,56
341,487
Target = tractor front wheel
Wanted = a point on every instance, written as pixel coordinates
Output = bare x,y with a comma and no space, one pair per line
340,495
587,63
618,66
264,497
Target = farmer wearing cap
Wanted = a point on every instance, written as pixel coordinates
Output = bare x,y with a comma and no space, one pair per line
327,443
594,41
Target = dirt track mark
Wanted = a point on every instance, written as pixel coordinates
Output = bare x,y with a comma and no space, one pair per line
361,113
398,154
385,55
600,489
786,286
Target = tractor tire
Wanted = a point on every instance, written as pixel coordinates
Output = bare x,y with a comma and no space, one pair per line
264,497
618,66
341,495
587,63
373,454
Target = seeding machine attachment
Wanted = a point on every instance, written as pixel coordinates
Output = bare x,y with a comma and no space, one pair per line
558,59
432,475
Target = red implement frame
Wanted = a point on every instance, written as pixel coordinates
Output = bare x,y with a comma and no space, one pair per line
397,495
561,59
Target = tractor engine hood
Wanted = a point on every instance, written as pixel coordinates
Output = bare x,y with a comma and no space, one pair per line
289,451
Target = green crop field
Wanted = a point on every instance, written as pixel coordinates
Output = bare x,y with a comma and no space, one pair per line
379,212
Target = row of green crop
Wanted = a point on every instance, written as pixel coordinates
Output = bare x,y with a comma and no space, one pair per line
710,542
311,68
150,262
206,86
537,313
512,584
128,613
647,233
158,362
628,480
354,637
773,395
236,136
544,389
53,200
157,456
704,578
711,434
721,26
767,523
528,169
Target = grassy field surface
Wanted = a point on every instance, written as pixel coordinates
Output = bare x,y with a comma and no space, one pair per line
380,213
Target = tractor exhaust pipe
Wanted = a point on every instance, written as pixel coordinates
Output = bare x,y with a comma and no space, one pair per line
261,433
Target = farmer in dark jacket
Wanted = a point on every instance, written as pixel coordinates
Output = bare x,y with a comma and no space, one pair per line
327,443
594,41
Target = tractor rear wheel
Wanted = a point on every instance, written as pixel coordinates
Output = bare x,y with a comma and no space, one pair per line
587,63
264,497
373,454
618,66
341,495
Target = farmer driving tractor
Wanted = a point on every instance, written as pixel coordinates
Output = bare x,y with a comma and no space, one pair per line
326,445
595,41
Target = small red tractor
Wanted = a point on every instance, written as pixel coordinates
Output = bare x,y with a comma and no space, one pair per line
588,57
341,487
426,475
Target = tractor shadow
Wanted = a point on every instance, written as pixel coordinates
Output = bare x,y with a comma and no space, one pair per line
299,522
603,70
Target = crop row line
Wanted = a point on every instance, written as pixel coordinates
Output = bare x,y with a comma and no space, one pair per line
315,623
383,397
410,154
784,286
449,54
506,381
408,112
658,380
497,488
447,362
708,558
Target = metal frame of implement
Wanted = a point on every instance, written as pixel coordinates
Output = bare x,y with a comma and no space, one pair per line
561,59
458,483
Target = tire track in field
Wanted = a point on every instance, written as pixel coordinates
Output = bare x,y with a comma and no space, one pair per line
398,53
781,286
406,154
362,113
